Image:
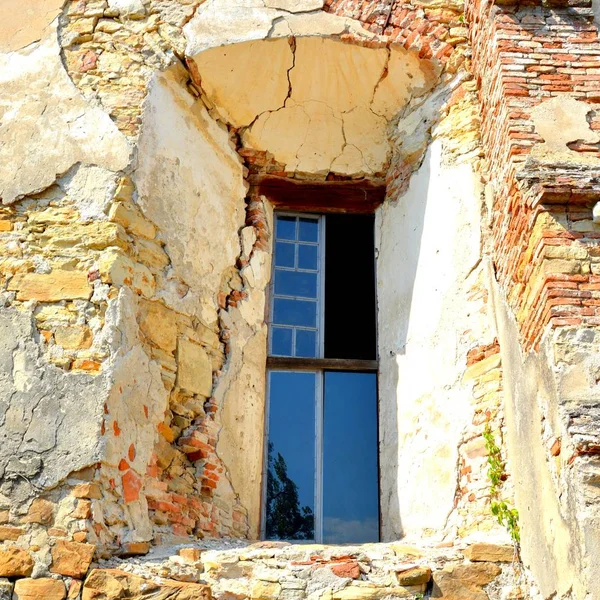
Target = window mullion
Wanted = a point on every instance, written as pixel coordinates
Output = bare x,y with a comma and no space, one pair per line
321,290
319,458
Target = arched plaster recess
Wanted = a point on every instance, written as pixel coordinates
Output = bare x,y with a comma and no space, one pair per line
22,24
292,74
46,127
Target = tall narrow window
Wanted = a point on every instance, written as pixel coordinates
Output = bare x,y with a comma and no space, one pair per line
322,450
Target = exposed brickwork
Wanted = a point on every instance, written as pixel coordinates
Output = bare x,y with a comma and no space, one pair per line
523,55
432,32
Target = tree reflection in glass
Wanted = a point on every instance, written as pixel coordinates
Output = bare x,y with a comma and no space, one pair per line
286,519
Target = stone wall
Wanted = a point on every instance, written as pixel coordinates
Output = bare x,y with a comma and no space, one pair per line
135,136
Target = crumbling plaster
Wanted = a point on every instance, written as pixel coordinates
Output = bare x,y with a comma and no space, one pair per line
190,180
43,439
46,126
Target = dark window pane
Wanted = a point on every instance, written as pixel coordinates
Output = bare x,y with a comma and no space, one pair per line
308,257
284,254
290,283
350,325
291,459
306,343
309,230
294,312
350,471
285,228
281,341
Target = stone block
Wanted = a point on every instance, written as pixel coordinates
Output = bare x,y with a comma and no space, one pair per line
90,490
10,533
41,512
15,562
135,549
76,337
130,216
368,591
51,287
159,325
414,576
72,559
262,590
194,372
490,553
190,555
36,589
117,268
112,584
464,582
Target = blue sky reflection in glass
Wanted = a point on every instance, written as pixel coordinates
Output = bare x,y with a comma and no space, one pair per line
295,301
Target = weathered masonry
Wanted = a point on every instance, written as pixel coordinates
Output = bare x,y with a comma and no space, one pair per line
276,274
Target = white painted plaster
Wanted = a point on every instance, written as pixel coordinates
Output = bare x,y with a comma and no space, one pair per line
428,242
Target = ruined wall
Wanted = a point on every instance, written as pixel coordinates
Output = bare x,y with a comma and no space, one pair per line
537,67
136,257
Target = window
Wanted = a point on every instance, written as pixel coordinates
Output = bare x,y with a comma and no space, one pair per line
321,468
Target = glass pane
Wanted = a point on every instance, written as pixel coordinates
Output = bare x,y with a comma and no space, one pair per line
285,228
309,230
306,343
295,312
291,456
291,283
350,472
284,254
281,341
307,257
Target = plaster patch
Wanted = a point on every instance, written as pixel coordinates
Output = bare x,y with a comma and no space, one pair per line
190,181
245,80
561,120
45,124
22,23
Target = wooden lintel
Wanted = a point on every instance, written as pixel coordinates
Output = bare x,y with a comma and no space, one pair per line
354,196
328,364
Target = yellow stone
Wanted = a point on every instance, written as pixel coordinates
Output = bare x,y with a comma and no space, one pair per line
51,287
5,225
194,372
130,216
15,562
490,553
159,325
73,338
151,254
10,533
118,269
262,590
36,589
72,559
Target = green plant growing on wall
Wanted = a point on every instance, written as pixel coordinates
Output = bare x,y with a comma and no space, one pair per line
506,515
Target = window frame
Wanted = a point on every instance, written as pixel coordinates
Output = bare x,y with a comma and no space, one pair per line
319,366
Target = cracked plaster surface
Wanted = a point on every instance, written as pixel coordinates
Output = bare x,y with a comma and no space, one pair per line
49,420
46,126
22,23
334,100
